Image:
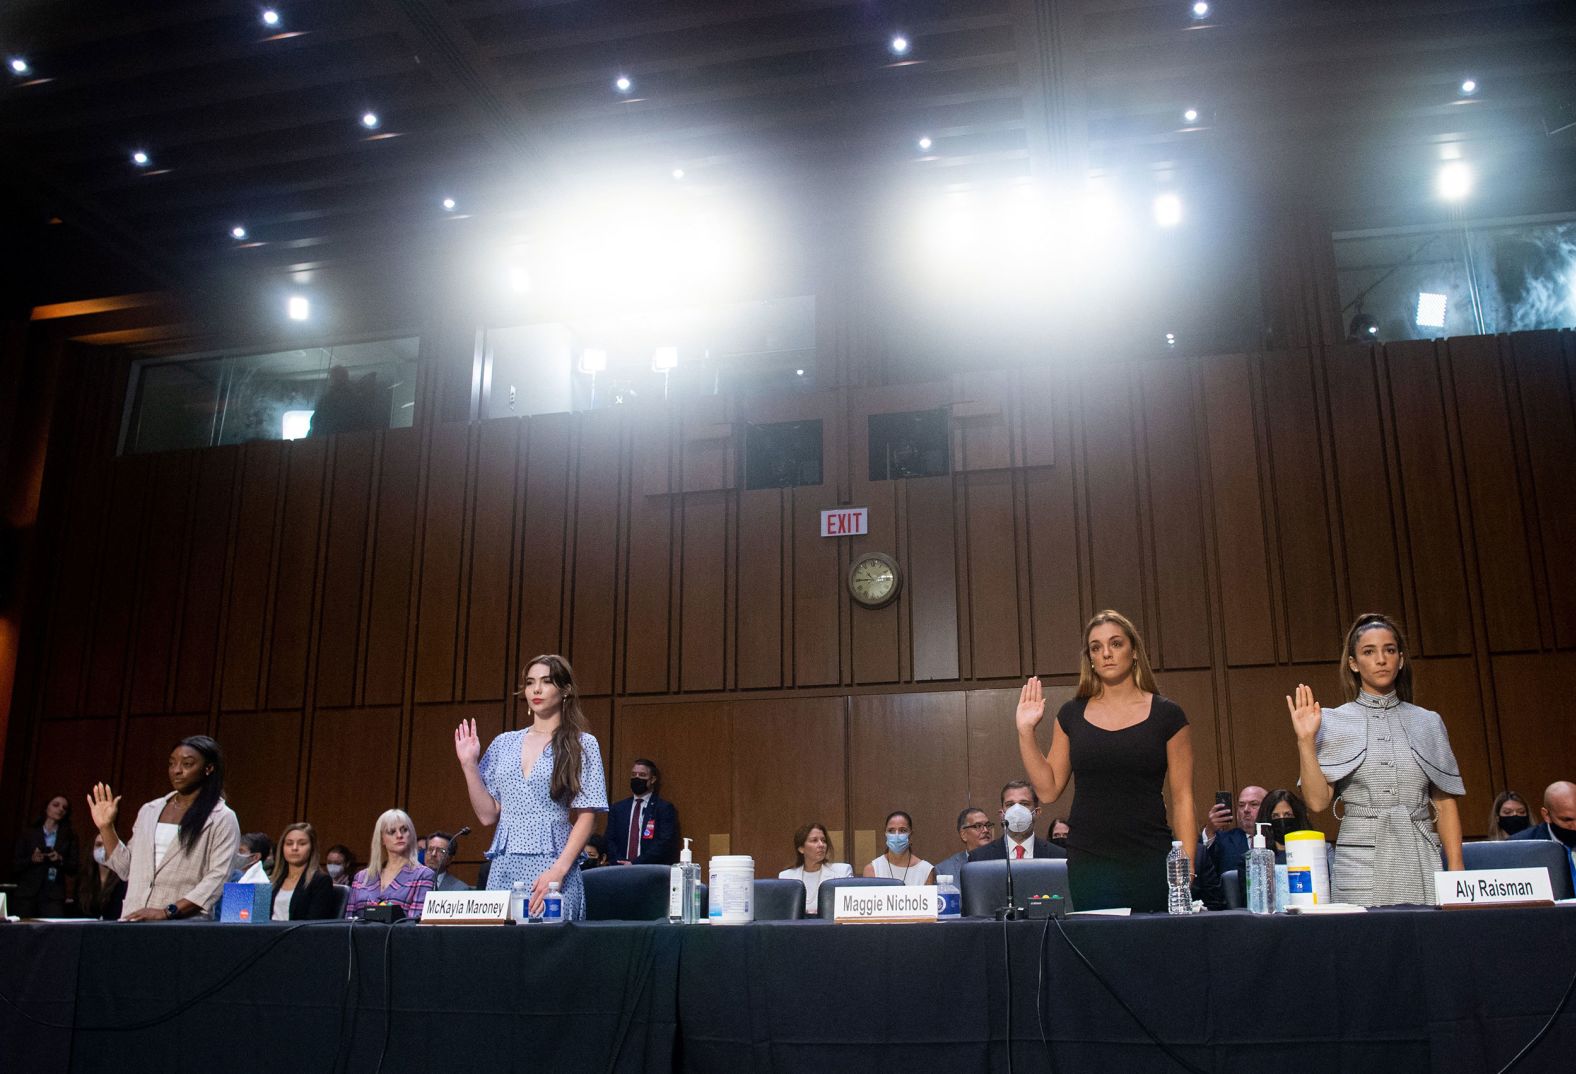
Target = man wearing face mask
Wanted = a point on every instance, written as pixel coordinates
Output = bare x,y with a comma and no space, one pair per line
1019,806
643,829
1559,820
247,867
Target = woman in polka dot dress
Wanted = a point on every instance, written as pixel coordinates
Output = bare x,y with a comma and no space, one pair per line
542,786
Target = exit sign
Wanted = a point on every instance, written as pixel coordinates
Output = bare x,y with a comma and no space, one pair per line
845,522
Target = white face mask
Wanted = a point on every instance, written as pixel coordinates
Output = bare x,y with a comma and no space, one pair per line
241,862
334,869
99,855
1019,818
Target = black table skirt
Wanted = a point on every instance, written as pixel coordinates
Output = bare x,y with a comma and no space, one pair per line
1393,991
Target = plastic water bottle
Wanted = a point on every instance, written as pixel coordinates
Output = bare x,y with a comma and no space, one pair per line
519,900
553,905
1179,897
1259,872
951,899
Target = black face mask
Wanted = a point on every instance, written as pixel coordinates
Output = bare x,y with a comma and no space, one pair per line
1511,824
1564,835
1279,826
1059,840
638,786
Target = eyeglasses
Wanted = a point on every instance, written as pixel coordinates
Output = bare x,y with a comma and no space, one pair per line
982,826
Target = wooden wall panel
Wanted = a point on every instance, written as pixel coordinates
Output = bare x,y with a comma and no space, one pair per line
393,547
593,591
1263,746
1362,457
1041,417
70,756
1311,611
115,601
992,752
252,555
159,580
692,744
1450,688
1500,530
817,594
1548,421
931,578
437,798
351,780
1111,498
344,568
74,584
874,634
488,588
1241,542
295,576
438,591
704,592
982,430
991,541
202,590
707,448
1429,500
1054,523
909,752
1195,692
1180,638
1533,694
543,562
762,581
768,809
648,604
263,755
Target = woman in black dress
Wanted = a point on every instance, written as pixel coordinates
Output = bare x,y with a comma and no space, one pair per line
1122,741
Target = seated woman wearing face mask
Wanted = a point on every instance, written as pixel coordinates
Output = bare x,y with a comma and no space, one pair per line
1284,812
340,864
1509,816
899,862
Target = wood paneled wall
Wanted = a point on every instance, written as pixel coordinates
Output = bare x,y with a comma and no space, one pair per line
329,609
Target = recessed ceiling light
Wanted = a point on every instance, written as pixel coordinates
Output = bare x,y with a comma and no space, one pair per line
298,308
19,66
140,158
678,173
1191,115
1168,210
1200,10
1455,181
925,143
798,372
238,232
1468,88
899,45
623,84
448,203
270,17
370,120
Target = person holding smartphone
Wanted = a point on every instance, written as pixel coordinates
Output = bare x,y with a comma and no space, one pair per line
1227,831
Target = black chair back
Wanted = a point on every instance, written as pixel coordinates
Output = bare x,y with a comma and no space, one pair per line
826,895
1231,880
626,892
779,900
1523,854
984,884
341,899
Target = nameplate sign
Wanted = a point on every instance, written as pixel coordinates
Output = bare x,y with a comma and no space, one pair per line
465,908
845,522
1493,887
898,904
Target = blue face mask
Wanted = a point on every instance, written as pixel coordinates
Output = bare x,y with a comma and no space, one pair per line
897,842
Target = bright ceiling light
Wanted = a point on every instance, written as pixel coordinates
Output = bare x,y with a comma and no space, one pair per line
1168,210
270,17
1455,181
1191,115
925,143
798,372
664,359
623,84
678,173
1430,310
370,120
1468,88
1200,10
298,308
519,280
593,360
238,232
899,45
19,66
140,158
449,204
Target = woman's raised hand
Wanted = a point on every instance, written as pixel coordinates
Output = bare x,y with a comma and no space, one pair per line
467,744
1031,706
1306,714
104,804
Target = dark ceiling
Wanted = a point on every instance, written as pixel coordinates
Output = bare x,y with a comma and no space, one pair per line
500,104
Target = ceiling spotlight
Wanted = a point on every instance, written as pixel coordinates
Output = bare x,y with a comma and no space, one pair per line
238,233
798,372
270,17
623,84
1201,10
1191,115
593,360
1455,181
1168,210
1430,310
1468,88
664,359
370,120
925,143
19,66
678,173
298,308
448,204
899,45
1171,339
140,158
1363,329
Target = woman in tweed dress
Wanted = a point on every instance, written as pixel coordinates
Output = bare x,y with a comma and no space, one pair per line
1389,765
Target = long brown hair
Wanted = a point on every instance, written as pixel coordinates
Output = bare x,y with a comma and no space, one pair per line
1375,621
1089,684
571,725
312,867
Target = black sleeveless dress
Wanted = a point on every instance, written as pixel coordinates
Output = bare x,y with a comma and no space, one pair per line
1116,851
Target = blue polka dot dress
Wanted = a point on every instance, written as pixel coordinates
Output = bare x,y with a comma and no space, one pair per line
532,828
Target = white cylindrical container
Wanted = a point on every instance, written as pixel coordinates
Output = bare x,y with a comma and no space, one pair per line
1307,869
732,890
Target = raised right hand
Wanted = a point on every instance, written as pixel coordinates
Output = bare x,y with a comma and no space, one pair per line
1306,714
104,804
467,744
1031,706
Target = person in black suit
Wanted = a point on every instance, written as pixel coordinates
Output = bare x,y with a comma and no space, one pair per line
1559,820
46,854
1019,806
303,891
644,828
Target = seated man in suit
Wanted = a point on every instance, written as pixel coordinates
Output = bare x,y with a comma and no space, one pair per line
440,852
974,830
1019,806
1225,836
644,828
1559,820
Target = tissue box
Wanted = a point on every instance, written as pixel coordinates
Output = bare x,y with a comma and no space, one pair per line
247,903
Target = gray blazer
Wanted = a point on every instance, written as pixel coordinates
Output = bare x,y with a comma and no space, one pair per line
197,875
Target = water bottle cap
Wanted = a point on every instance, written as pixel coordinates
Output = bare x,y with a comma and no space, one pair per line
1175,843
552,885
944,878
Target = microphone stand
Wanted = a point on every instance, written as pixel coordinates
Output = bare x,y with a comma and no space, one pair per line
1010,911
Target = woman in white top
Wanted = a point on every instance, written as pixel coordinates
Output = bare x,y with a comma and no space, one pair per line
899,862
813,845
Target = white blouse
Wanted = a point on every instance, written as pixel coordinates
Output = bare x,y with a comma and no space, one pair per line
163,838
915,875
282,904
829,870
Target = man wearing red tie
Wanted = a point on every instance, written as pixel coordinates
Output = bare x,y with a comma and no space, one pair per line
1019,806
644,828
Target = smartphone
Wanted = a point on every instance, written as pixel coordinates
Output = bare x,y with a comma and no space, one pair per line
1223,798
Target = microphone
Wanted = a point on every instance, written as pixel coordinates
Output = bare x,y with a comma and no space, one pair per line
1010,911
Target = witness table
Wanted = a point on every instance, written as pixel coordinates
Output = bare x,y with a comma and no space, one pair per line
1394,991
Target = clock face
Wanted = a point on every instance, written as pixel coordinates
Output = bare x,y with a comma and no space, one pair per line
873,580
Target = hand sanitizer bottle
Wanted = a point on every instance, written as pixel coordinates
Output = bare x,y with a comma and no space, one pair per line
684,889
1259,872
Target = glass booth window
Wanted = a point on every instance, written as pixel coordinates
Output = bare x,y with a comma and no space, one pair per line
285,395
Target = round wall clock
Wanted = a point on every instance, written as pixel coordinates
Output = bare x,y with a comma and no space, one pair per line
874,579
